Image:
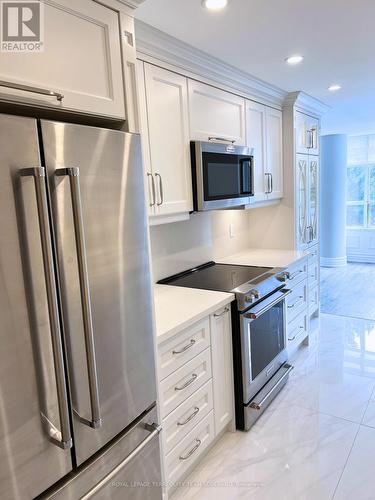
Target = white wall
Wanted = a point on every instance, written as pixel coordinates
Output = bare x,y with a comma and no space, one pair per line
206,236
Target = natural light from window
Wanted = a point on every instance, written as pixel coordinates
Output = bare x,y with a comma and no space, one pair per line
361,182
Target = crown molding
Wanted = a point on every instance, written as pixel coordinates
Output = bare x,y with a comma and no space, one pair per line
306,103
158,47
132,3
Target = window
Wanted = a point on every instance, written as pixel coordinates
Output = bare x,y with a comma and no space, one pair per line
360,211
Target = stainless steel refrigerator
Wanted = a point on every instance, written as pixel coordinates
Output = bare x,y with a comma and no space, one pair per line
77,379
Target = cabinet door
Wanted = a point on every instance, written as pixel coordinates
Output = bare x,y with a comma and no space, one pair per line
313,201
222,367
81,60
301,201
274,168
215,113
256,139
143,128
167,113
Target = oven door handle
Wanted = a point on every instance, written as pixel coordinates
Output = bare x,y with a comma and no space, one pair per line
265,305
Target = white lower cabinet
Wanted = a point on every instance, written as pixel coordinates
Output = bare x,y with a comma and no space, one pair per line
196,390
222,367
183,456
297,304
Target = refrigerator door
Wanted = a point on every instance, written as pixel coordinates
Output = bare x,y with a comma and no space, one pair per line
32,416
100,221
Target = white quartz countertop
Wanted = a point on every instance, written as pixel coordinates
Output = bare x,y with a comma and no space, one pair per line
264,258
177,307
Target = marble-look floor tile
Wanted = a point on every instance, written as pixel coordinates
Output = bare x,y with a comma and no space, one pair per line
349,291
290,454
358,479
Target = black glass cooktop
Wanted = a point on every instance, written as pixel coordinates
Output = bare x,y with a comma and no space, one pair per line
219,277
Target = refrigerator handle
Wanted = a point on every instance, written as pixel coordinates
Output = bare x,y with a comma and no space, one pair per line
73,174
62,438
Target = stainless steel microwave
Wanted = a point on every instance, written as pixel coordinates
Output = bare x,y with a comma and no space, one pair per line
222,174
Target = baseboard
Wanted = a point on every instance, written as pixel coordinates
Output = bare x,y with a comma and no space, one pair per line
361,257
333,261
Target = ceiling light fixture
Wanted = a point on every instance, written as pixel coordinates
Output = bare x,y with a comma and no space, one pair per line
335,87
294,60
214,4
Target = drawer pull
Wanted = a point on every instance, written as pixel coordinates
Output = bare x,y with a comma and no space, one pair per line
300,328
193,450
34,90
294,275
299,301
186,384
222,313
194,414
191,343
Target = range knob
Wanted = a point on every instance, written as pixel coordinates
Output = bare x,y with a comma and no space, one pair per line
253,295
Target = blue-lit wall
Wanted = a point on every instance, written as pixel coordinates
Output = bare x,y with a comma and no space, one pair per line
333,200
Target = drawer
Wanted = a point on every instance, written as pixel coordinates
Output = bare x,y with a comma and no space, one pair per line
313,299
297,273
313,272
297,330
313,252
186,453
186,416
183,347
296,302
185,381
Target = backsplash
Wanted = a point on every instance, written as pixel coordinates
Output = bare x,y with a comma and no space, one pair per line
206,236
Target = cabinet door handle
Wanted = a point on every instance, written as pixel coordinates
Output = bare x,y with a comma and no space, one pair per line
299,301
188,346
160,189
152,203
34,90
271,183
218,315
194,414
186,384
193,450
268,183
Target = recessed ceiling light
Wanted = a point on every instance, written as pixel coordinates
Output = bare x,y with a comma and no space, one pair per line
294,59
214,4
333,88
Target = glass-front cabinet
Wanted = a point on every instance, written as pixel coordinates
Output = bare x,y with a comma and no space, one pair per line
307,200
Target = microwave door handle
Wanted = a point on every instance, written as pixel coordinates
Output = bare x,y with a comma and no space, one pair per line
62,438
265,305
252,189
75,191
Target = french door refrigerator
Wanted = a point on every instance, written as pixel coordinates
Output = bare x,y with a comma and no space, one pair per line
77,379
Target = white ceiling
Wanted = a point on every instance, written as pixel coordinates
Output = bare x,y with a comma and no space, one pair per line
336,37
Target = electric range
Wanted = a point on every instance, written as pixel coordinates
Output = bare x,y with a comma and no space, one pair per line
258,330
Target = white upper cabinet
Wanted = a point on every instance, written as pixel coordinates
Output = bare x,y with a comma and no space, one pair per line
307,134
81,61
256,138
215,113
274,164
169,146
307,202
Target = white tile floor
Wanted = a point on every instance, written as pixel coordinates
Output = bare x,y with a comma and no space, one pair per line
317,439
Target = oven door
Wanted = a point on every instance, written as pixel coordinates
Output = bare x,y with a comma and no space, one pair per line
224,176
263,341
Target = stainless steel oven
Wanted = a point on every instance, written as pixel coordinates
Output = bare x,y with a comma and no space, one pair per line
223,175
264,354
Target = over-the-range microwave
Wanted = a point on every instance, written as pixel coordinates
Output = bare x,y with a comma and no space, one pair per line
222,174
